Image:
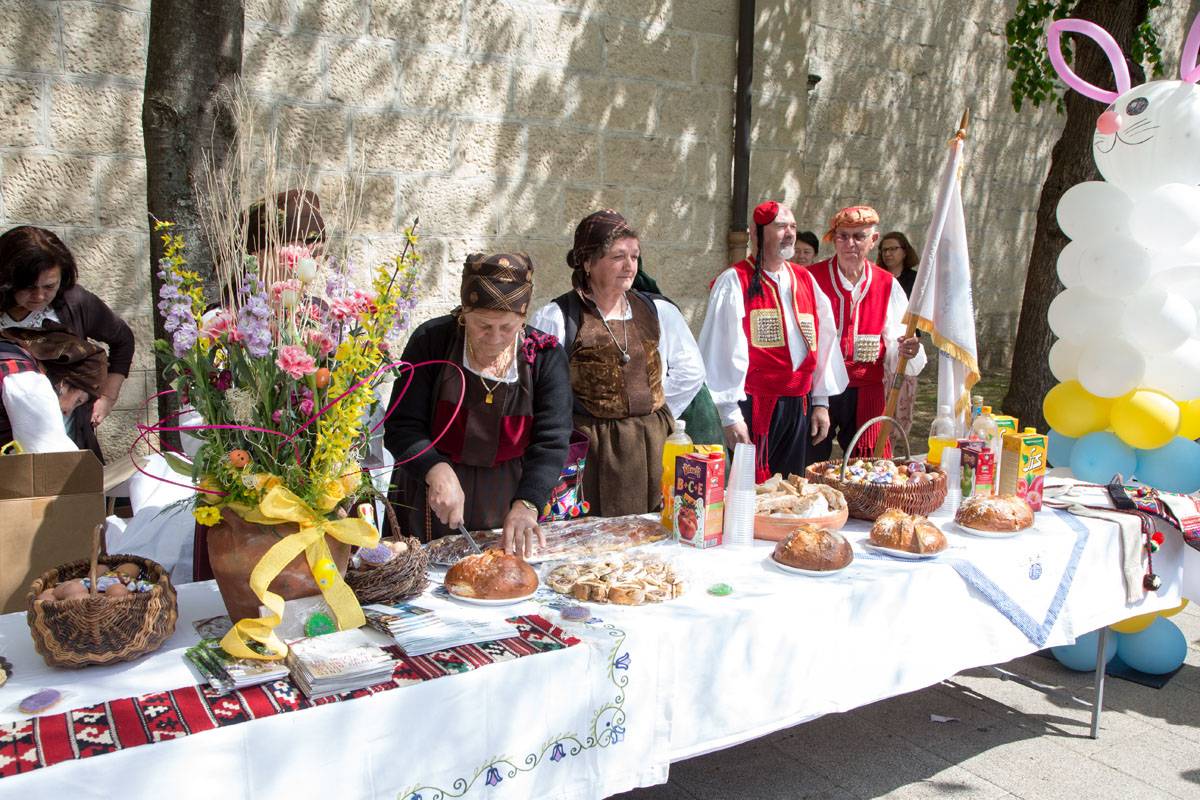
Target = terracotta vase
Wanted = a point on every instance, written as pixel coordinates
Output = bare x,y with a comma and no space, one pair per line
235,547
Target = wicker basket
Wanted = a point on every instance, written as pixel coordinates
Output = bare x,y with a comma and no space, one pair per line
867,501
402,578
96,629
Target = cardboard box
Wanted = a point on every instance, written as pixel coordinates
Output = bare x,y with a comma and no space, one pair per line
978,469
49,505
700,499
1024,466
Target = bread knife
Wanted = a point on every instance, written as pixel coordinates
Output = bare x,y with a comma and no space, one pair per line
474,547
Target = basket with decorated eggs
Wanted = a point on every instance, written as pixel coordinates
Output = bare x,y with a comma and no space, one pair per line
100,611
871,486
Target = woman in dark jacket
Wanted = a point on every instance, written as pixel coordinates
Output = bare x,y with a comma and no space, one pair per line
494,463
38,291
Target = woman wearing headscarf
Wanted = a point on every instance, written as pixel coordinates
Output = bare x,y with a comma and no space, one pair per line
480,439
634,365
38,291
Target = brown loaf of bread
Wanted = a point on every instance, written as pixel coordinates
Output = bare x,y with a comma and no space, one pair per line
912,534
813,548
491,575
1006,512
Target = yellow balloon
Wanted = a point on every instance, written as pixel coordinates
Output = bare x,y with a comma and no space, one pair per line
1074,411
1170,612
1135,624
1189,419
1145,419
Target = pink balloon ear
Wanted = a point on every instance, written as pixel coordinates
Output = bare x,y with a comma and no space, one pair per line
1107,43
1189,71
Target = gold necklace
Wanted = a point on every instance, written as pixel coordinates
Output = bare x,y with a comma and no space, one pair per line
489,398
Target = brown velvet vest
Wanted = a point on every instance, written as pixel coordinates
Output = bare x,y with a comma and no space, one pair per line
603,385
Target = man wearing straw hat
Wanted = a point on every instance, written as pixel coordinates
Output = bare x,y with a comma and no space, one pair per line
768,353
868,309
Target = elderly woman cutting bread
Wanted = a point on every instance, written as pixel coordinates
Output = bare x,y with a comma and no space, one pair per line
492,461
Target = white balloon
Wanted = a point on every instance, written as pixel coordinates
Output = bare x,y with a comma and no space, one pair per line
1094,210
1064,360
1109,367
1070,266
1182,281
1157,322
1079,315
1115,267
1157,138
1167,217
1176,373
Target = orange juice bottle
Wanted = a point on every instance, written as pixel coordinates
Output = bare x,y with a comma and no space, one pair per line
677,444
943,433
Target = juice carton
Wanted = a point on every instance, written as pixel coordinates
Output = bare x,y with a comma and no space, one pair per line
670,455
1024,466
1007,424
978,468
700,499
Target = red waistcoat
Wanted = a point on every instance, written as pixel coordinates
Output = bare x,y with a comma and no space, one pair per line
770,372
861,325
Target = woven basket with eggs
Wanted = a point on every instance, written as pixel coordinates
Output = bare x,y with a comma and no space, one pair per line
871,486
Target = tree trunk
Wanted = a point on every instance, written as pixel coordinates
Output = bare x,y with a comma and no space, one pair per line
1070,163
195,52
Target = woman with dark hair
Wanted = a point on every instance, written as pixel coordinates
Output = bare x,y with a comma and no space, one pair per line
635,366
38,290
493,461
807,247
897,256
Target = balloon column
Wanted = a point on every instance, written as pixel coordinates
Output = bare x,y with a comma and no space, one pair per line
1128,349
1149,643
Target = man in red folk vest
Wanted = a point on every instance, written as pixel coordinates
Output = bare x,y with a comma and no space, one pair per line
768,346
868,310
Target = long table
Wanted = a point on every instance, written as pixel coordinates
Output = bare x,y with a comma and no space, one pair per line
646,685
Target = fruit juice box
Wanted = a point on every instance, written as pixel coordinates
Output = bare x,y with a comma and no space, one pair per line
1007,424
1024,466
978,468
700,499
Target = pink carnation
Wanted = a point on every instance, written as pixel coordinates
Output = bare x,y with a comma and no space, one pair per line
295,361
322,341
289,258
222,324
360,302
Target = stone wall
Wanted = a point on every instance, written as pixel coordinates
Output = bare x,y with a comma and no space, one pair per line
502,122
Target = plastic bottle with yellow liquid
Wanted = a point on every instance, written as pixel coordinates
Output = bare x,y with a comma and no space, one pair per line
677,444
943,433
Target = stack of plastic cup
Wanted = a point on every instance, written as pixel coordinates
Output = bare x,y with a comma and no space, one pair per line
952,466
739,498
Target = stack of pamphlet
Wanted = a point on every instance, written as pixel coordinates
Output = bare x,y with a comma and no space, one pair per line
338,662
419,631
224,673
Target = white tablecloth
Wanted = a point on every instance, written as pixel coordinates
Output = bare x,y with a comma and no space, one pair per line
686,677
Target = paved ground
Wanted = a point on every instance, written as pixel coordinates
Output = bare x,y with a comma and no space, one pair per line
1011,740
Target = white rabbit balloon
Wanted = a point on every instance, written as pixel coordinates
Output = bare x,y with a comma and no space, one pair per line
1129,318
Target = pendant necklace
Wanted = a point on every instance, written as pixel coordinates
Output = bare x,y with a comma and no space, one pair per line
490,389
625,328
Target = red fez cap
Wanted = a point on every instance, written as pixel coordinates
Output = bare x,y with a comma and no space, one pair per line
765,213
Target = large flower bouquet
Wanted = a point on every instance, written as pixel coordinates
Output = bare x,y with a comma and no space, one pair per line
283,376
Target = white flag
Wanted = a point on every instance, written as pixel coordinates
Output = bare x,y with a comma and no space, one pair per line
941,303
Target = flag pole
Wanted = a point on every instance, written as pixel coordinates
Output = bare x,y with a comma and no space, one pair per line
893,398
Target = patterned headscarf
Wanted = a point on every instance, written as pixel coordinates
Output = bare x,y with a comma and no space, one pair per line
502,281
851,217
298,220
64,356
594,234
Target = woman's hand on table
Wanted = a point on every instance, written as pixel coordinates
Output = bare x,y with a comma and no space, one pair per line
521,530
445,495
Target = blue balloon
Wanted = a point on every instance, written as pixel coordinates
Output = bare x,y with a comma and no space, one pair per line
1174,467
1058,449
1081,656
1096,457
1157,650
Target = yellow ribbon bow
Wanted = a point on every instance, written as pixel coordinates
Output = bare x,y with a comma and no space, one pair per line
280,505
